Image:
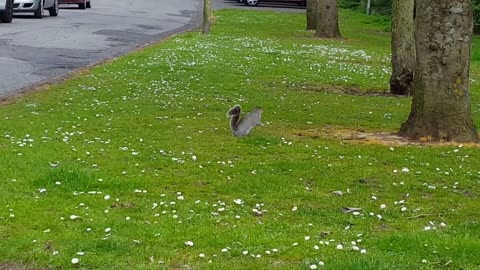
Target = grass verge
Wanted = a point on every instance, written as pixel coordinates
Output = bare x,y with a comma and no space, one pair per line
133,165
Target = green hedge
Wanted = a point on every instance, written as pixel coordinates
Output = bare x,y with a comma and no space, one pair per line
384,7
476,15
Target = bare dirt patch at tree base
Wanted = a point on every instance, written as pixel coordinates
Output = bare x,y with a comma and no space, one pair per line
381,138
350,90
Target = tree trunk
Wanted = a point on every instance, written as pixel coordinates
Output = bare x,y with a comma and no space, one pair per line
327,20
312,14
403,47
207,14
369,6
441,100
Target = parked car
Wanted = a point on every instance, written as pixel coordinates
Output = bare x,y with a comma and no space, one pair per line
82,4
36,6
6,11
255,2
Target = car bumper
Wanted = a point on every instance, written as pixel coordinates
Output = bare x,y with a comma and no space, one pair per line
25,5
71,1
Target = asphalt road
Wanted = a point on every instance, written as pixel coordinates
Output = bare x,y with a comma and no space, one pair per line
35,51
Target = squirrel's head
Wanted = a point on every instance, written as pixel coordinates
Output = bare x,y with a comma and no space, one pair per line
258,110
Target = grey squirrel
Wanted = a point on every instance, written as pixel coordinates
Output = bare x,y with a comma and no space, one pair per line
242,127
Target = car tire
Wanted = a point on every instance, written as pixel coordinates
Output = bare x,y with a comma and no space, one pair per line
38,13
251,3
8,13
83,5
89,4
53,11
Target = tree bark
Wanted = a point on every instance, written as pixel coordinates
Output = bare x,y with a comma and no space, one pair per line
403,47
441,107
327,20
369,6
207,14
312,14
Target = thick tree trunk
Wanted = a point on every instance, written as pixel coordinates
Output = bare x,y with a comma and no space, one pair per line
207,14
403,47
327,20
441,100
312,14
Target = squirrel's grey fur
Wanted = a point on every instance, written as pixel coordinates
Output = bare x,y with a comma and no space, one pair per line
242,127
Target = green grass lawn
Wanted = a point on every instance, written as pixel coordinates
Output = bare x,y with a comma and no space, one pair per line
133,166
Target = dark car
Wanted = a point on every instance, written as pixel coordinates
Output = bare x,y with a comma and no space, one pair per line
82,4
6,11
255,2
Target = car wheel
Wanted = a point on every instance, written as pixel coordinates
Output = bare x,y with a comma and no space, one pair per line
39,11
251,2
8,13
83,5
53,11
89,4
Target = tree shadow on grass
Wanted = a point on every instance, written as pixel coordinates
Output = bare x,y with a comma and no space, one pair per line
16,266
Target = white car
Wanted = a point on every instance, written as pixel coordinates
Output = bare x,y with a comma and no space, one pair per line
255,2
36,6
6,11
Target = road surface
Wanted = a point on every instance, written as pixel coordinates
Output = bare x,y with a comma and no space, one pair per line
35,51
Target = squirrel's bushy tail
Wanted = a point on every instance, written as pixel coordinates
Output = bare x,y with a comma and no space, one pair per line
234,114
234,111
